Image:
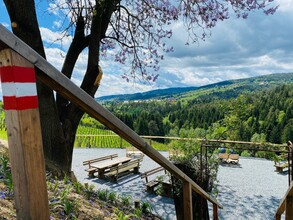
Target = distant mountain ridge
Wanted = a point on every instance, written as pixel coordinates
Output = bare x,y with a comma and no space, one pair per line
250,84
147,95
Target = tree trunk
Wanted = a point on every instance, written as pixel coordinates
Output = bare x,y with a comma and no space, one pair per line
60,119
25,26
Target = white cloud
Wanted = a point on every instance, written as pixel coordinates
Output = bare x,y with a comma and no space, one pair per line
55,38
57,24
285,5
53,8
55,56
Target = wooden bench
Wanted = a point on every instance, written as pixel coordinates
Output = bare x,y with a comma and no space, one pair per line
92,170
150,185
233,158
228,158
120,170
281,166
134,153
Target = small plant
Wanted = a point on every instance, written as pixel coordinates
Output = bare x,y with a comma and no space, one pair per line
138,213
146,207
77,187
102,194
55,186
125,200
120,215
66,179
68,206
4,165
5,174
112,197
159,190
89,191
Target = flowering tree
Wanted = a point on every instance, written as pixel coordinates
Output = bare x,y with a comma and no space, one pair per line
136,30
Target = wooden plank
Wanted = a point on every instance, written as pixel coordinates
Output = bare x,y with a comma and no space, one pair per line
289,208
187,200
282,205
122,168
24,137
215,212
278,217
64,86
110,163
88,162
151,172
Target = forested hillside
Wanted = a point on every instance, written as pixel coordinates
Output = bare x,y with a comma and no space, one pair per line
251,116
227,110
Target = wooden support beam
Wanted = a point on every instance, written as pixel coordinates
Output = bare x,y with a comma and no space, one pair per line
187,200
283,204
24,136
215,212
278,217
289,208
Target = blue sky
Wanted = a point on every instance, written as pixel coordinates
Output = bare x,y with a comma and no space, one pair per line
236,49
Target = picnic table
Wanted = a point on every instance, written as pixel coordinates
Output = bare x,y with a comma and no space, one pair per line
105,165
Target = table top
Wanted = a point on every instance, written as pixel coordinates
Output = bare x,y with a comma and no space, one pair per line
109,163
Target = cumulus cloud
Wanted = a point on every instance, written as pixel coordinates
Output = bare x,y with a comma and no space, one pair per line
237,48
55,38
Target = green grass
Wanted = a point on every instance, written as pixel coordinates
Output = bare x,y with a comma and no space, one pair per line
93,138
3,134
101,138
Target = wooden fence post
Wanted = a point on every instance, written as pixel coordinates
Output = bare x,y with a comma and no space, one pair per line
24,136
187,200
215,212
289,207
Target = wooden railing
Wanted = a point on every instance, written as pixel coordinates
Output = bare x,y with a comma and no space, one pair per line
286,205
60,83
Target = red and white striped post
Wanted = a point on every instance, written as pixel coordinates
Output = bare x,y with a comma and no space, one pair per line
24,136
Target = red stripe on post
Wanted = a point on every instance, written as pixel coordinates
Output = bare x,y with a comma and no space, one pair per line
20,103
9,102
17,74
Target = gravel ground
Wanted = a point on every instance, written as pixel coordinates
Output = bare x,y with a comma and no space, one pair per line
250,191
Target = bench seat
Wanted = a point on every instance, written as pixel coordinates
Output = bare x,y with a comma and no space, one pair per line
91,171
280,167
151,185
117,171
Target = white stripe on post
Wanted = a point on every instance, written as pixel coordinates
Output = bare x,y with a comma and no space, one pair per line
19,89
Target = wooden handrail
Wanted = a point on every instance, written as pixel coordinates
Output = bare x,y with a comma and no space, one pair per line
282,206
64,86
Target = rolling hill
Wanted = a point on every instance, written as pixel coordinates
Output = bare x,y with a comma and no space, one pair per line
224,89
